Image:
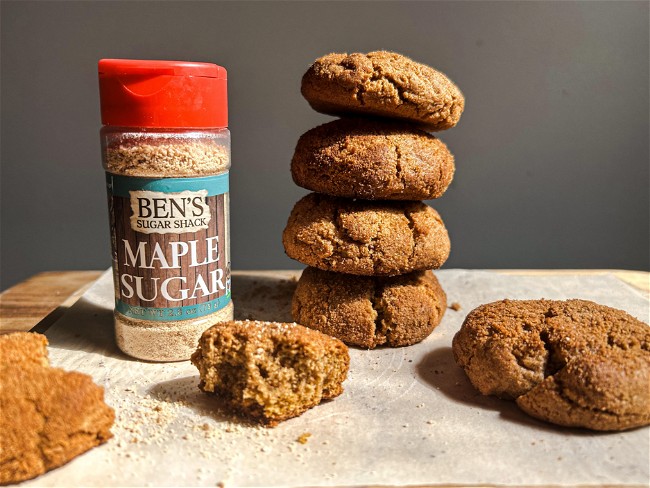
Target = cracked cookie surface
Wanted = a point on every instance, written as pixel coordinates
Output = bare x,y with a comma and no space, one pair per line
574,362
364,237
370,311
373,160
384,84
49,416
270,371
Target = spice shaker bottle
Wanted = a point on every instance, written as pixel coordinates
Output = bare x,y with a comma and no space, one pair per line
166,153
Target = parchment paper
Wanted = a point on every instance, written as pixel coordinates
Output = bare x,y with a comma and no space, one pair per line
407,416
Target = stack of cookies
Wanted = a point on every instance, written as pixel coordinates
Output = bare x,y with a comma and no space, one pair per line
368,239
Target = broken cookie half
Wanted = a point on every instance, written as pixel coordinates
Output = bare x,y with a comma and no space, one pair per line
270,371
49,416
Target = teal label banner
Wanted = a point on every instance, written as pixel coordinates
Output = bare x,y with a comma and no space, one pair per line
168,314
120,186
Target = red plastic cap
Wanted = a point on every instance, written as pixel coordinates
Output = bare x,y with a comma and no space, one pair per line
163,94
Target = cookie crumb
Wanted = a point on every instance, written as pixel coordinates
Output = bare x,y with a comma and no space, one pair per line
455,306
303,438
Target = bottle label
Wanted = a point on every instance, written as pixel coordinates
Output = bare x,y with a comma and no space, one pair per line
170,246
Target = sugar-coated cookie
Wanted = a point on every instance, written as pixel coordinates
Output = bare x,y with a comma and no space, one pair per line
48,416
384,84
372,159
574,362
369,311
365,238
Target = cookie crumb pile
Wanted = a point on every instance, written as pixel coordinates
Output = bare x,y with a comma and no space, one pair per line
368,239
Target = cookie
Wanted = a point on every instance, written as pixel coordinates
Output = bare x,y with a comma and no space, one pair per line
49,416
575,363
370,311
608,390
24,348
383,84
365,238
270,371
373,160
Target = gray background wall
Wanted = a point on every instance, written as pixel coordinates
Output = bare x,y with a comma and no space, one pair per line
552,150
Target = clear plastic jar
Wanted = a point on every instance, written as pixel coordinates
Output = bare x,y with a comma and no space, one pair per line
168,209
